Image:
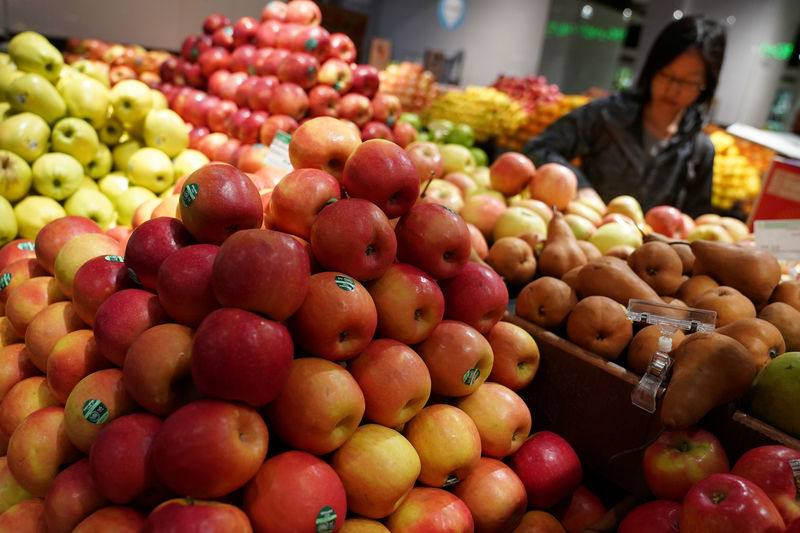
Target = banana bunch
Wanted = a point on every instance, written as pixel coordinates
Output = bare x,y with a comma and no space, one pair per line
737,178
490,113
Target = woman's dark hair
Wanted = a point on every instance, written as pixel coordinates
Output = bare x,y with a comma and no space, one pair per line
698,33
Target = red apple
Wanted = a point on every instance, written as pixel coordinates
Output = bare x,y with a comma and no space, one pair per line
511,172
17,272
229,85
209,448
120,518
274,10
121,317
426,157
27,515
217,200
242,95
580,510
353,236
483,210
18,249
184,284
28,299
431,510
213,22
477,296
386,108
356,107
337,318
195,134
323,101
157,369
300,68
23,399
409,303
516,355
15,365
548,467
227,151
726,502
47,328
323,143
213,60
434,239
217,119
303,12
289,99
554,184
273,125
657,516
381,172
73,357
298,197
301,489
150,244
679,459
53,235
319,407
243,31
234,126
252,156
343,47
223,36
267,64
404,134
314,40
666,220
71,497
365,79
769,467
377,130
250,129
239,355
495,496
261,92
190,514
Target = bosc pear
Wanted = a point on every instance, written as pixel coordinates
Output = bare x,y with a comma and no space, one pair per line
561,251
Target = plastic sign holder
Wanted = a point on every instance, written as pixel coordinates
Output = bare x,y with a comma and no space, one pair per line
669,318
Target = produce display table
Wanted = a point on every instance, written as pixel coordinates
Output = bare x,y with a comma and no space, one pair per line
587,399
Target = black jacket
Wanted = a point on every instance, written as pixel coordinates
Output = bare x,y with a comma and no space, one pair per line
606,134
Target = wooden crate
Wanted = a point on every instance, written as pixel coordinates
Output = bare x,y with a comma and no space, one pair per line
587,400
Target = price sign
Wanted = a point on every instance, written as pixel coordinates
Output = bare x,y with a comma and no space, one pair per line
779,237
779,198
278,153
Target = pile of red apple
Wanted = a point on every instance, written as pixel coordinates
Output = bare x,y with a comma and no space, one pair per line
327,354
529,91
243,81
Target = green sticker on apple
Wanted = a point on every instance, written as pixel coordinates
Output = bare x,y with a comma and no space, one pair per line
326,520
344,283
27,245
189,193
471,376
95,411
114,258
5,279
452,479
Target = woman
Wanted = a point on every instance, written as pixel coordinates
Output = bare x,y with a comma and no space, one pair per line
648,142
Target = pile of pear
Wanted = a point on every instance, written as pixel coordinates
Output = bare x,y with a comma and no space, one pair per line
73,144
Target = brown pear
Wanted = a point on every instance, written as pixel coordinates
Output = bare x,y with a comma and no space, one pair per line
612,277
659,265
685,253
787,292
644,344
546,301
752,271
787,319
729,304
621,251
513,259
589,250
570,277
561,251
710,369
600,325
691,288
763,340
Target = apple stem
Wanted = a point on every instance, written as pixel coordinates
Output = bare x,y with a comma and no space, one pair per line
639,448
427,184
717,498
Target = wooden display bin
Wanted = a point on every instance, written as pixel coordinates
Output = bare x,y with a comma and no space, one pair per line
587,400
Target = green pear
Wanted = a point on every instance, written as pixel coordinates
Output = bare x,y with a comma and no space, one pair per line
8,73
775,393
165,129
33,212
86,98
57,175
94,69
76,137
34,93
32,52
8,222
151,168
100,165
15,176
113,184
25,134
91,204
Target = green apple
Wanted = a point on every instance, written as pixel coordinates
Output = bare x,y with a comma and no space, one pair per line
480,155
112,131
113,184
127,202
100,165
131,100
457,158
515,221
165,129
86,98
25,134
34,212
8,222
439,128
462,134
57,175
151,168
775,391
613,234
91,204
159,99
188,161
123,151
412,118
15,176
5,59
94,69
32,52
76,137
34,93
8,73
88,183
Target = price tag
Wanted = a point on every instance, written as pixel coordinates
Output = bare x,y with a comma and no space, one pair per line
781,238
278,153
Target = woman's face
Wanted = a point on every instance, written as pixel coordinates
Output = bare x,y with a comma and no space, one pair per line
676,86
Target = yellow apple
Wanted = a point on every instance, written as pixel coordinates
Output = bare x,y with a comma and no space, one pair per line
34,211
92,204
151,168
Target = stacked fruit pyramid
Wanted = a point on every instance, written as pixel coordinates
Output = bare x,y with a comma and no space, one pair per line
415,86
